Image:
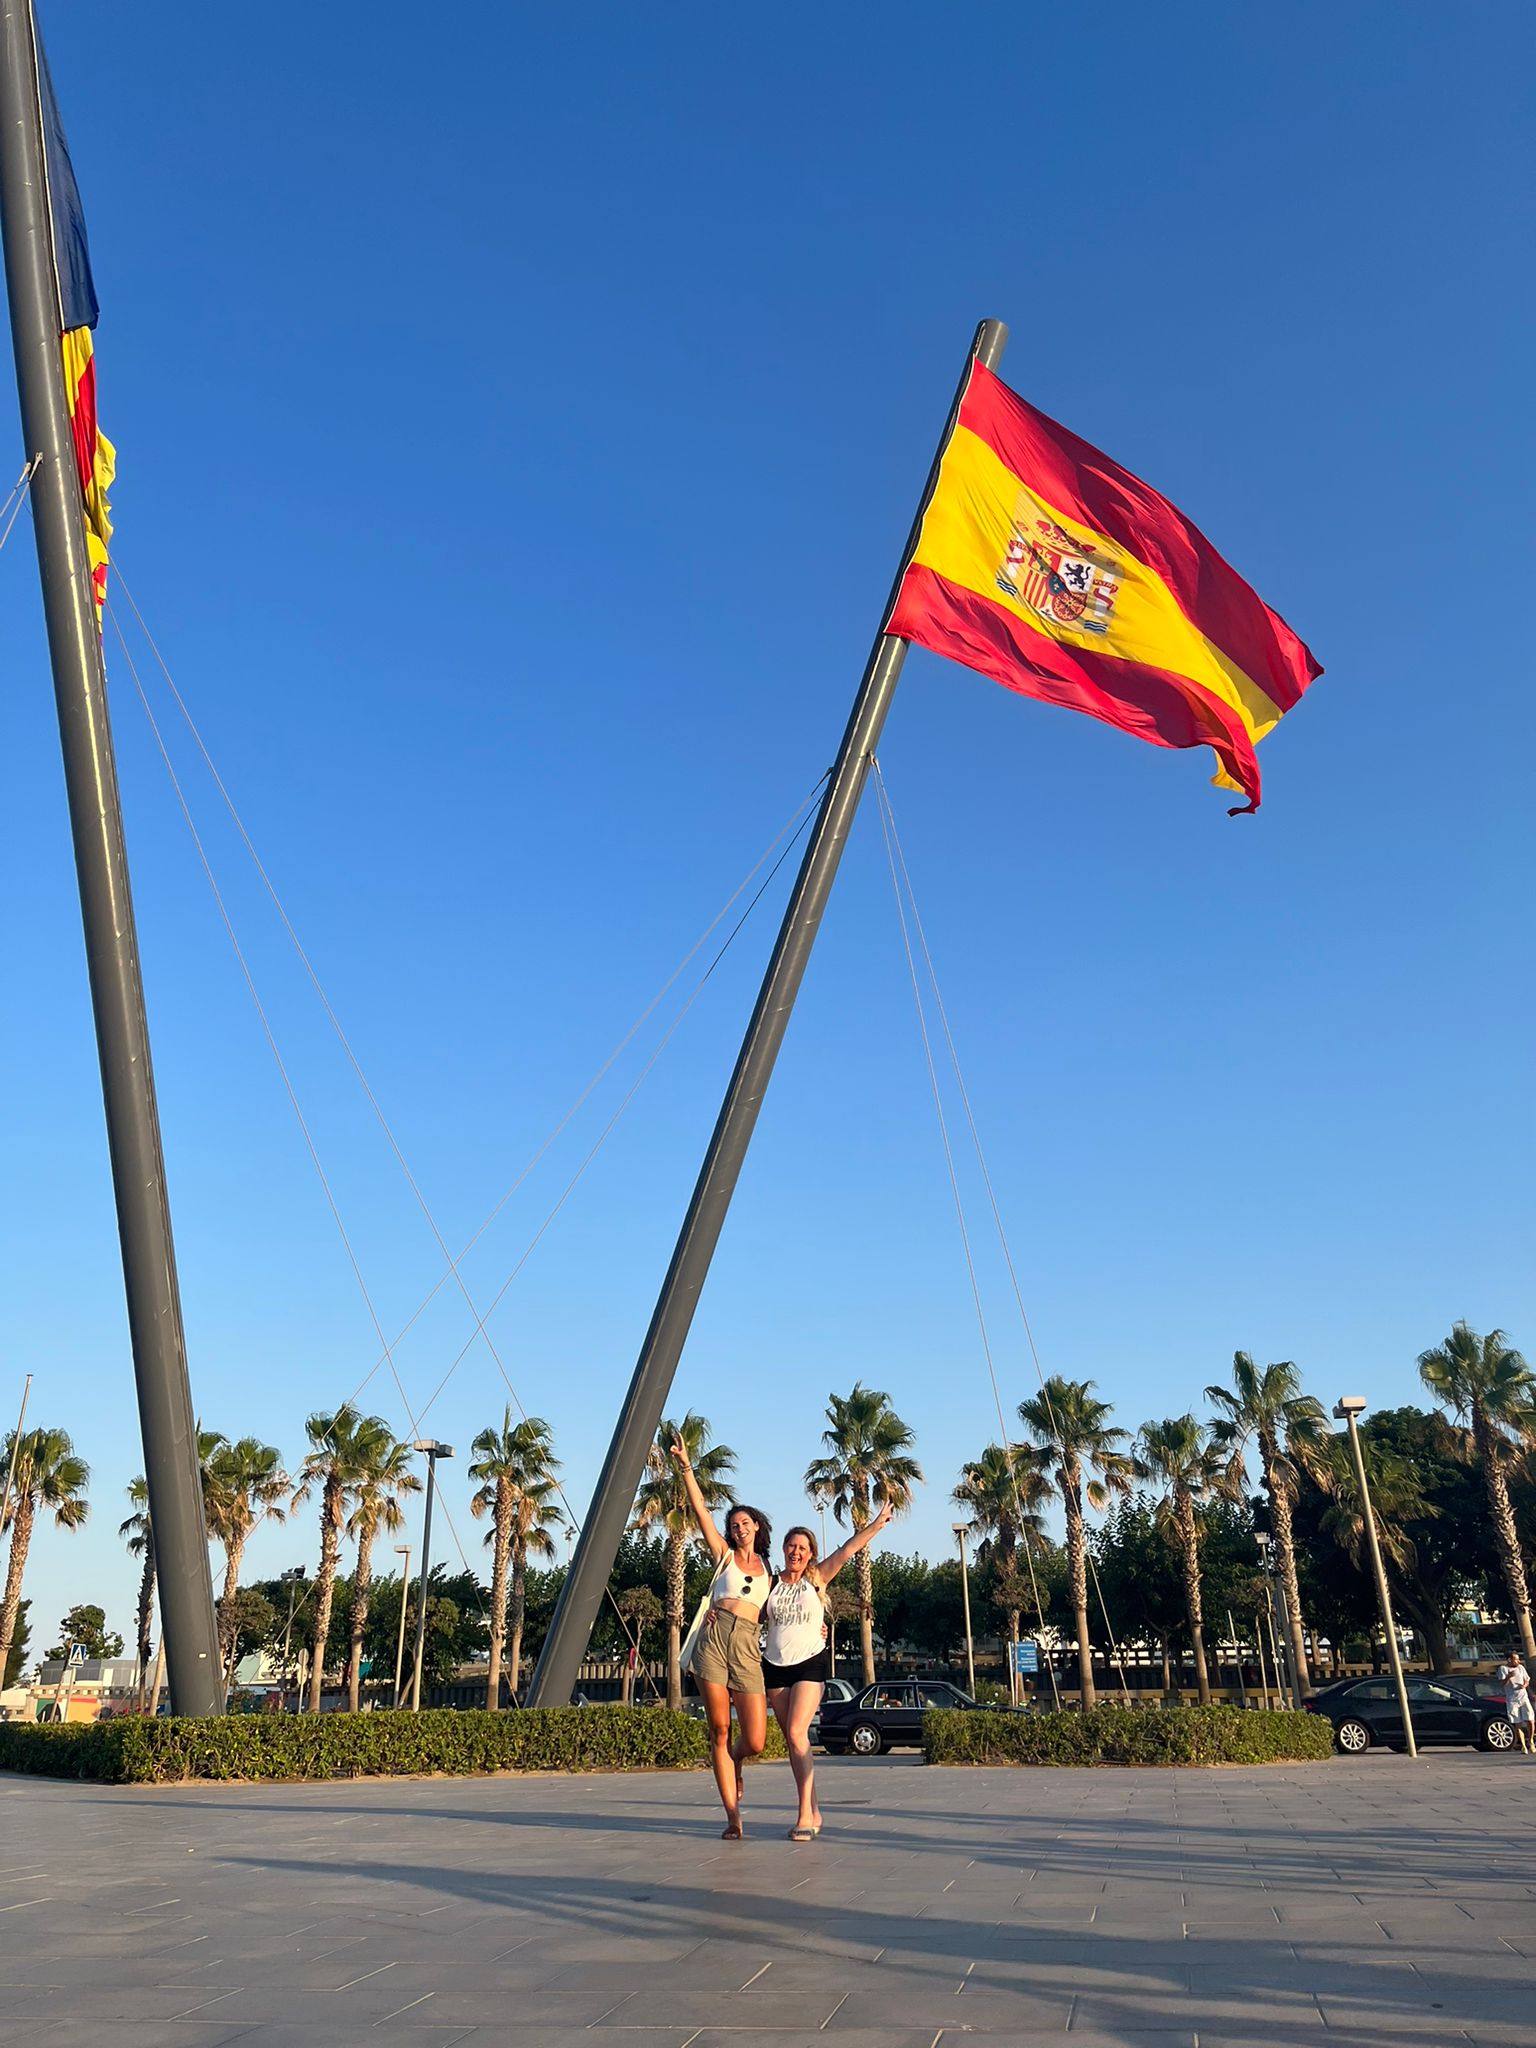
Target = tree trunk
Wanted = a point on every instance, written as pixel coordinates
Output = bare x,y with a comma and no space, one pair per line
145,1615
234,1552
325,1588
1189,1545
499,1553
518,1609
362,1586
1285,1556
21,1539
1505,1538
1162,1644
1077,1564
1429,1623
864,1579
677,1577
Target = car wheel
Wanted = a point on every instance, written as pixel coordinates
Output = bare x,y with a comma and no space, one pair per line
1498,1734
865,1739
1352,1737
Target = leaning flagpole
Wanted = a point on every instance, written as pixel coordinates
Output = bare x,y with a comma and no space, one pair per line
612,1502
101,861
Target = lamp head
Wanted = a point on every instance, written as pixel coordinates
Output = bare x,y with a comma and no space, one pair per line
1347,1405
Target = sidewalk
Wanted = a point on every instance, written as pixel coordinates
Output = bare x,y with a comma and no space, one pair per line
1357,1904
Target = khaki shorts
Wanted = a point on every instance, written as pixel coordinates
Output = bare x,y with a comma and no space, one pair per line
728,1653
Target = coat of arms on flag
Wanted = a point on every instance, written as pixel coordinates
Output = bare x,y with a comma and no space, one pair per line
1057,575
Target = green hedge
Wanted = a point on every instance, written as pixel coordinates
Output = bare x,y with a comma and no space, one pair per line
1126,1735
139,1751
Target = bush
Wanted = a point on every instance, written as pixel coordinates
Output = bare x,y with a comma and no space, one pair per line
1119,1735
133,1750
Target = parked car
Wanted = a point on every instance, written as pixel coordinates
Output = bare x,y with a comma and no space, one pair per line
886,1715
1365,1712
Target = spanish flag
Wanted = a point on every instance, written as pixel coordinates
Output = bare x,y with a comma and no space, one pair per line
1045,565
95,457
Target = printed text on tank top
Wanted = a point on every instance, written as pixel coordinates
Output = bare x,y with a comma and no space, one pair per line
796,1615
732,1583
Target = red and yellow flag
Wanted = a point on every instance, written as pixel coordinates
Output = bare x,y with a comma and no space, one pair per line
95,457
1043,564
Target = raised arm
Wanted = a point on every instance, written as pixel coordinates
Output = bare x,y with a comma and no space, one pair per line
829,1567
706,1521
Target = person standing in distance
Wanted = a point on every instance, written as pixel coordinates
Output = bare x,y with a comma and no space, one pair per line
1516,1681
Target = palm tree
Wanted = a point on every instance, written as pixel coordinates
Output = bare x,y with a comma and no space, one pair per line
49,1479
1488,1386
1180,1456
136,1533
335,1465
639,1609
1001,1490
867,1463
1265,1406
1082,1452
383,1474
518,1466
663,1500
244,1485
1397,1497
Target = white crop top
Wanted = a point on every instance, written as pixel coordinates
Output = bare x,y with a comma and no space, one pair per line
795,1616
732,1583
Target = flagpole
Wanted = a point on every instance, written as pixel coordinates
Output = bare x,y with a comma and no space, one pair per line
613,1500
101,861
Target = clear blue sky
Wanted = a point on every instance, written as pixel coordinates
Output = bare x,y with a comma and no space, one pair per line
519,414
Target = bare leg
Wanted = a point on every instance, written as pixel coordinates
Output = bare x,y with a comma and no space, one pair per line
752,1722
795,1707
717,1708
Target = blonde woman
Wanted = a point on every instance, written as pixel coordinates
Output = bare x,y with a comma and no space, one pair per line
795,1662
727,1662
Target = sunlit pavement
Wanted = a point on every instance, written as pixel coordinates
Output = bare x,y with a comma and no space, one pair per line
1375,1902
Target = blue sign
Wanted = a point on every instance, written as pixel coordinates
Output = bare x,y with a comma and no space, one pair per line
1026,1659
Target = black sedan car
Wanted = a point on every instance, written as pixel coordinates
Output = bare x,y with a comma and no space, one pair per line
1365,1713
886,1715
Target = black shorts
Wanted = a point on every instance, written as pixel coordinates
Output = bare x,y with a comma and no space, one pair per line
812,1671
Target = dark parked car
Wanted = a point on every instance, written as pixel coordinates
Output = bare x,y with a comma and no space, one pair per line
1365,1712
886,1715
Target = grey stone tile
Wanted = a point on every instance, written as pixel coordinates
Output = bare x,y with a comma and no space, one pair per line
982,2012
74,2033
1153,2011
322,2035
852,2037
708,2005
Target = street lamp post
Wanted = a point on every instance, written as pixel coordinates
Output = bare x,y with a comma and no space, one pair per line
965,1595
433,1450
1347,1410
1286,1674
292,1579
402,1549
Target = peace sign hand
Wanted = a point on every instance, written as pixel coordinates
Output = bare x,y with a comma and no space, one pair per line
679,1451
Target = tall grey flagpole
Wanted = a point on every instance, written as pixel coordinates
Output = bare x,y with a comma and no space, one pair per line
613,1500
101,861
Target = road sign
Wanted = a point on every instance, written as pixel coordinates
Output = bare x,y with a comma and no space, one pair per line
77,1653
1026,1659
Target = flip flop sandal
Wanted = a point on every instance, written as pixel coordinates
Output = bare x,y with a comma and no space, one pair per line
802,1834
733,1831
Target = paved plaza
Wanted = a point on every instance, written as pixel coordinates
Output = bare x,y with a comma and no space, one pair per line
1344,1905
